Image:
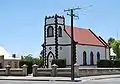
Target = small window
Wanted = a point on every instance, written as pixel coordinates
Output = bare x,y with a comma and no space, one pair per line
60,31
60,48
50,48
91,58
15,64
98,56
50,31
9,63
84,58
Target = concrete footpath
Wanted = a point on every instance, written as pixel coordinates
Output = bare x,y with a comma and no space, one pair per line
30,78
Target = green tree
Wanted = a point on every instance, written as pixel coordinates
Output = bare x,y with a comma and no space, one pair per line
116,48
30,58
111,41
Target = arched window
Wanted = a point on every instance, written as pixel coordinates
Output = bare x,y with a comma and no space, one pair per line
60,31
98,56
91,58
50,31
84,58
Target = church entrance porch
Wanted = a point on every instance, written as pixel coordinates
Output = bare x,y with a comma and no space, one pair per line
50,57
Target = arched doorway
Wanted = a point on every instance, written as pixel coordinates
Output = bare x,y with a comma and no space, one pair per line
50,57
84,58
91,58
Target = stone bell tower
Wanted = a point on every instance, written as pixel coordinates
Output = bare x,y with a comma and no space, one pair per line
53,28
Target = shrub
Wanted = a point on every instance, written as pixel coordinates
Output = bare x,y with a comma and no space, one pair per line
60,62
117,63
108,63
105,63
28,63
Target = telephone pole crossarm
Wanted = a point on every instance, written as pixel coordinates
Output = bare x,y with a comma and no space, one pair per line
73,9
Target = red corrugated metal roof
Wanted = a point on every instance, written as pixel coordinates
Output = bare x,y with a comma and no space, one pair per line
84,36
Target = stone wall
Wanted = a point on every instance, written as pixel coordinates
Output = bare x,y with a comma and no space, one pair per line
66,72
16,71
98,71
2,72
8,71
60,72
44,71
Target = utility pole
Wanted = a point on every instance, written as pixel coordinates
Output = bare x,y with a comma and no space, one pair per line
72,36
72,40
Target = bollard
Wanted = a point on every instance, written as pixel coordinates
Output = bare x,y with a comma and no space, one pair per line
8,70
34,70
54,70
24,70
76,69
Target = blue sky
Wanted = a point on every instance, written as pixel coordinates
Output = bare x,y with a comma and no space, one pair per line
22,21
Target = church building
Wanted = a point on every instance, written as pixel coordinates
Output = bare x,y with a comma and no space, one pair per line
89,48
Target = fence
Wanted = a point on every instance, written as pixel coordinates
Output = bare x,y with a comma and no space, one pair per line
8,71
60,72
78,72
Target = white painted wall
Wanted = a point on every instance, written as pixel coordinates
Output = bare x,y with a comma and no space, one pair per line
65,39
81,48
50,20
48,50
50,40
107,53
65,53
60,20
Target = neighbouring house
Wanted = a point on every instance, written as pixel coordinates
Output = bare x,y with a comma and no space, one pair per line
6,59
112,54
89,48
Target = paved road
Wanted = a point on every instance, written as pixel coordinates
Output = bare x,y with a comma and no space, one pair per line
101,81
34,82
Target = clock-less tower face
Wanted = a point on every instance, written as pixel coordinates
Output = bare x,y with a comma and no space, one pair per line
54,27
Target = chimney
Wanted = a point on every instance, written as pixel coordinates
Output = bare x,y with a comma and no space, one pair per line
14,55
